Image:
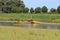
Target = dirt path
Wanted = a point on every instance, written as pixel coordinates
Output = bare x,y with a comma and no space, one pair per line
46,23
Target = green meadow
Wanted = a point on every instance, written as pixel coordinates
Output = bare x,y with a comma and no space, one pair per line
17,33
24,17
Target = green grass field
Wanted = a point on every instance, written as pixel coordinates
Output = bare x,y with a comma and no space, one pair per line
36,17
17,33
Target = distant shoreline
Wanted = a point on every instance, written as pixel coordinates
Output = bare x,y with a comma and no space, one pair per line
41,23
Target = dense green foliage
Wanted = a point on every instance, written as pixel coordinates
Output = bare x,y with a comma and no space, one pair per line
25,10
18,6
44,9
36,17
11,6
52,10
58,9
38,10
31,10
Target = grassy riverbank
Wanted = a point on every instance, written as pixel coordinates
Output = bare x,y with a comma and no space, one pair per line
16,33
37,17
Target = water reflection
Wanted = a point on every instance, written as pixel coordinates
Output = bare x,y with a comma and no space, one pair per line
6,24
41,26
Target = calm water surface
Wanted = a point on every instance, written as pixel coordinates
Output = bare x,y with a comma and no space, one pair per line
30,25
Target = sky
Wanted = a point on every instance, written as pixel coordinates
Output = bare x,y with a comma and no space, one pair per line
40,3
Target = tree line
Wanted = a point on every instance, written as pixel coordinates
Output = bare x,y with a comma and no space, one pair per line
18,6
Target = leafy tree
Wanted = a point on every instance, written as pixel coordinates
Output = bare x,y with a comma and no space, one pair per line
52,10
58,9
25,10
38,10
1,6
6,9
12,6
15,10
20,4
1,3
31,10
44,9
8,6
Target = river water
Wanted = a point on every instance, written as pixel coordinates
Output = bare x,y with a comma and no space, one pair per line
30,25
